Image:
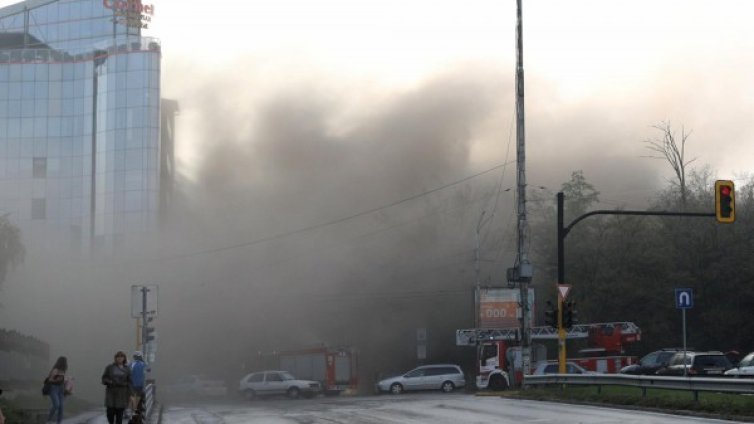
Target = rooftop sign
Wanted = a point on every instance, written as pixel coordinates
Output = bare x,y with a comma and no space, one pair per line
132,13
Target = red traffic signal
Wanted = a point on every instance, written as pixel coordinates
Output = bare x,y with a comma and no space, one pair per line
725,200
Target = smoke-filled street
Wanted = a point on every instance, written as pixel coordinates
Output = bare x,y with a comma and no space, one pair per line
410,409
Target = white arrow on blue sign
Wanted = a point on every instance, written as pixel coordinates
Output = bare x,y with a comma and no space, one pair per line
684,298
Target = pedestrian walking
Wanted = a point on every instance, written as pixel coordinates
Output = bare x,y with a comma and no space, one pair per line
138,380
117,378
56,380
2,417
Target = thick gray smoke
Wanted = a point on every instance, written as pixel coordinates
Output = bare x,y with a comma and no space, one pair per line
318,213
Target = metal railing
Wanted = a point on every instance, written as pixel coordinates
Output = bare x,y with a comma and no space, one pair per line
472,336
692,384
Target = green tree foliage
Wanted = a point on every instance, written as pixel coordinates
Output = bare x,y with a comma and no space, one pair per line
12,251
625,268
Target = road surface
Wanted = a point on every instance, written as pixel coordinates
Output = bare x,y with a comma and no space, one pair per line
410,409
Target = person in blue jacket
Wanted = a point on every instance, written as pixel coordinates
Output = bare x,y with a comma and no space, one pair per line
138,380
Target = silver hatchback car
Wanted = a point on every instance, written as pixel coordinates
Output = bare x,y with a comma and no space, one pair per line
445,377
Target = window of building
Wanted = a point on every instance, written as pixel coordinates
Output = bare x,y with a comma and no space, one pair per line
39,168
38,209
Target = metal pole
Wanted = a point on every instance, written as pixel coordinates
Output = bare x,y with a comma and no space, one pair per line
523,262
683,314
561,337
476,270
561,280
561,240
144,291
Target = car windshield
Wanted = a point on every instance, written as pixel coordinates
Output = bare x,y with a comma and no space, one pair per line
649,360
747,361
287,376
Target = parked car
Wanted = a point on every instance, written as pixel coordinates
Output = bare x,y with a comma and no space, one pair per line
445,377
697,364
553,368
196,386
745,367
651,362
271,383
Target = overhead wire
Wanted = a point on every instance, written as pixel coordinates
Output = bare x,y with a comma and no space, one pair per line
321,225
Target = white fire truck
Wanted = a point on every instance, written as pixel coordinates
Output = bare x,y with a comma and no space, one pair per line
499,356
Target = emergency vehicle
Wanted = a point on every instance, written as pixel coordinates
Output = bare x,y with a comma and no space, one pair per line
499,356
334,368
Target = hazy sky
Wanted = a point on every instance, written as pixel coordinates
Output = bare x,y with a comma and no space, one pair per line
603,71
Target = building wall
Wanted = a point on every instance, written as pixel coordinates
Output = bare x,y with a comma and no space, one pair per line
79,91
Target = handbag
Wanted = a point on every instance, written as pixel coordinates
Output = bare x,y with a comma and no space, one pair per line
46,387
68,385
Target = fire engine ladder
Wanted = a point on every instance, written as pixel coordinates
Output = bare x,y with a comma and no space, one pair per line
472,336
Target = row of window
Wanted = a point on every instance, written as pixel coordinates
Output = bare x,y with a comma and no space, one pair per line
64,147
116,63
60,11
133,122
126,166
121,84
129,202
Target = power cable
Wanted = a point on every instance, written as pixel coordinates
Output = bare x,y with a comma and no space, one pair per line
325,224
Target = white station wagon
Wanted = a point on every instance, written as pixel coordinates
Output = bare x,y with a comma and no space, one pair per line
445,377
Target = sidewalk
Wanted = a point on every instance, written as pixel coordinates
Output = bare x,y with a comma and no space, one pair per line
91,417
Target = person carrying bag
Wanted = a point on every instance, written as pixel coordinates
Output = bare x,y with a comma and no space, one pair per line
55,387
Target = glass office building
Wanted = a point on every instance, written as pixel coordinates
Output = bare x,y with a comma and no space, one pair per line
81,155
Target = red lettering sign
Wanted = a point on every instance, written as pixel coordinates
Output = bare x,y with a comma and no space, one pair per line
135,6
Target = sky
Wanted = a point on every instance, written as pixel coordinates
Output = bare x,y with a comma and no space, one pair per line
603,72
342,133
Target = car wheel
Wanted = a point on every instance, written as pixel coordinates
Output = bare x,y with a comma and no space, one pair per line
293,392
497,382
249,394
447,387
396,388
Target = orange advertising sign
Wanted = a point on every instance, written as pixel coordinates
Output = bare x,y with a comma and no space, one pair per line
499,308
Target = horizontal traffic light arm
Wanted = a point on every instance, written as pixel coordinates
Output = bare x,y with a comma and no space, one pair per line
621,212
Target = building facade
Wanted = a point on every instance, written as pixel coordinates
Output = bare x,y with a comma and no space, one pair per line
81,158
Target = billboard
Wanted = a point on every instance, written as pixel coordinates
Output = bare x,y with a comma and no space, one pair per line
499,308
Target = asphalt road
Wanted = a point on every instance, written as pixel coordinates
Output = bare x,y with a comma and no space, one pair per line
409,409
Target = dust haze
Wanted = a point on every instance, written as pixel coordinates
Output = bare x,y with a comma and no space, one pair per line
312,211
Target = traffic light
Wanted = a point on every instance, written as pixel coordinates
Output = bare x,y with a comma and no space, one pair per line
551,315
570,314
725,201
149,331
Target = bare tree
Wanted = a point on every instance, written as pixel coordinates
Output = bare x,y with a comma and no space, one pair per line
667,148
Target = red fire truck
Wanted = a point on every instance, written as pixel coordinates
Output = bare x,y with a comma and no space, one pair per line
334,368
499,355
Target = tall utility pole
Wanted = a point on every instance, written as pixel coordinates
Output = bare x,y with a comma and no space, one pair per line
523,270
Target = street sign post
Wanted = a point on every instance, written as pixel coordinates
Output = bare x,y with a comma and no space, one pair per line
141,294
684,299
144,308
563,290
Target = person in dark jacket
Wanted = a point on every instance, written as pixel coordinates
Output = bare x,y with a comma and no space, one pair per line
56,378
117,378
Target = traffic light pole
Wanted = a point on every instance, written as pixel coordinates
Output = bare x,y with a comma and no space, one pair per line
561,280
563,232
144,323
561,337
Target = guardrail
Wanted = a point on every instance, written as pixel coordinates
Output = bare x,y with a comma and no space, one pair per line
692,384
